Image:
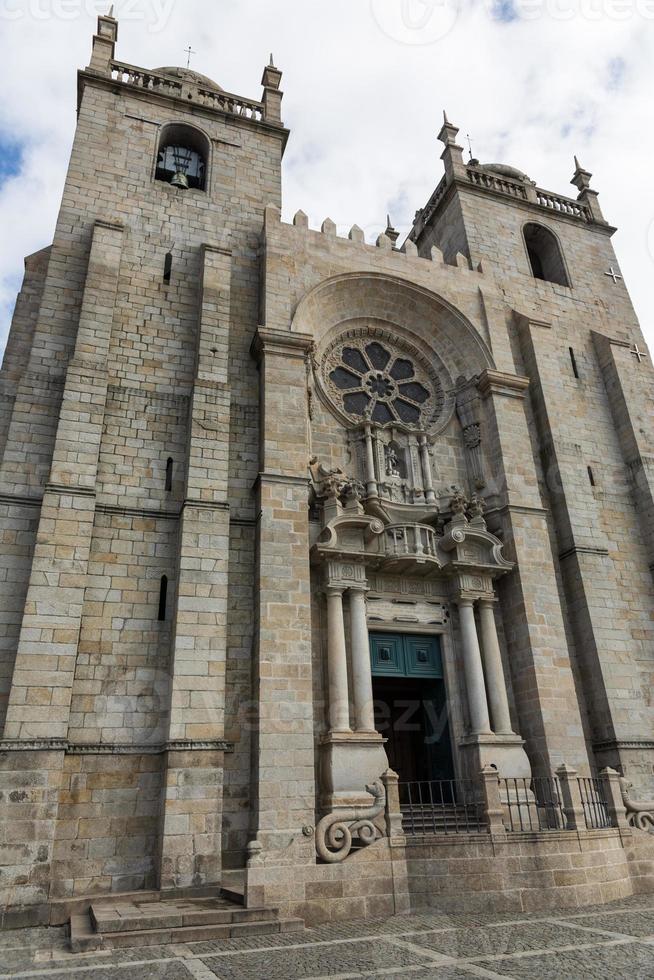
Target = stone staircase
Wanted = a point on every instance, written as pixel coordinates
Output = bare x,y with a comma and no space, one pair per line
156,920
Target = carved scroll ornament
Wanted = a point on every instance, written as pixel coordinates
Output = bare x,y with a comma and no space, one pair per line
335,831
640,813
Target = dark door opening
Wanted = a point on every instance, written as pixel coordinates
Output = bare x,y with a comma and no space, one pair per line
411,705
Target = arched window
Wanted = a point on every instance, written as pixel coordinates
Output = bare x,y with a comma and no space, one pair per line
183,158
545,256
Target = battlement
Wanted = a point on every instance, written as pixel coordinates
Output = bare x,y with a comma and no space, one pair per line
356,237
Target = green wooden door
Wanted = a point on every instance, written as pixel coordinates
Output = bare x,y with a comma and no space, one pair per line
411,705
400,655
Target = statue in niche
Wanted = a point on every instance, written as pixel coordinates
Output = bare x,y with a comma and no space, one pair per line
392,462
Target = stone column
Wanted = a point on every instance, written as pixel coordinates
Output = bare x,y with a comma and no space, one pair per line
497,696
475,686
339,710
393,815
571,794
371,482
272,96
492,801
427,478
361,669
104,45
613,796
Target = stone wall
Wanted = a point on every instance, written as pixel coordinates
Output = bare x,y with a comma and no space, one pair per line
469,873
107,831
522,872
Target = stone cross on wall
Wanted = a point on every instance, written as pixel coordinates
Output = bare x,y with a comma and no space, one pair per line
641,355
615,276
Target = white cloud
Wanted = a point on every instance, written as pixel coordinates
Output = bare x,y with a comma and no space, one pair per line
363,100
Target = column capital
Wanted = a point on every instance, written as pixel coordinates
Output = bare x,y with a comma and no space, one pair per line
465,600
360,588
280,342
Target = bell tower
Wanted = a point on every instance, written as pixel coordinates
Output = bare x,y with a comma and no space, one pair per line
574,334
129,371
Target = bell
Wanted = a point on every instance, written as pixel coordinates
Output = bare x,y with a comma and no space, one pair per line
180,180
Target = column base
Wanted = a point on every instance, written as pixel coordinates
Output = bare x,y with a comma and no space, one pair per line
505,752
350,761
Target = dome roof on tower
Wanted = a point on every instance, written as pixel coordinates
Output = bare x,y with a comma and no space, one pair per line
502,170
186,75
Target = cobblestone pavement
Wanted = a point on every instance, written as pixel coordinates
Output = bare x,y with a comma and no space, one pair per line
615,941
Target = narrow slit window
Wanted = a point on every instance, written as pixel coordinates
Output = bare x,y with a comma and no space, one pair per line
168,267
591,476
573,361
169,476
163,597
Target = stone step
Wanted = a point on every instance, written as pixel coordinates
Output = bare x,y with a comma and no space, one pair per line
138,916
151,920
84,938
233,894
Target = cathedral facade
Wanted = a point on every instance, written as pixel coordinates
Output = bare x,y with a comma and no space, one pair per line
326,565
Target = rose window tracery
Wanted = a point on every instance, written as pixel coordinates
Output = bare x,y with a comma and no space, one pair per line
375,380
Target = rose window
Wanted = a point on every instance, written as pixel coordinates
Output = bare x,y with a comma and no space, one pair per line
375,381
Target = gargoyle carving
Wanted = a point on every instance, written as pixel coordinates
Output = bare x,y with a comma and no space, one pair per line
335,831
334,482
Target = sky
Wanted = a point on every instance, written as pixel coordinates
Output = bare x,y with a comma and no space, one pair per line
532,82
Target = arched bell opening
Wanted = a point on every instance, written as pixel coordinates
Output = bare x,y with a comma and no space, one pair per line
545,255
183,158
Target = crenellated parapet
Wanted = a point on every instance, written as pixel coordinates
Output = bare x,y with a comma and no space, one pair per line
356,238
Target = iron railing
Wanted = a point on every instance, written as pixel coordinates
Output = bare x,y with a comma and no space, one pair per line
532,804
596,812
457,806
441,806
